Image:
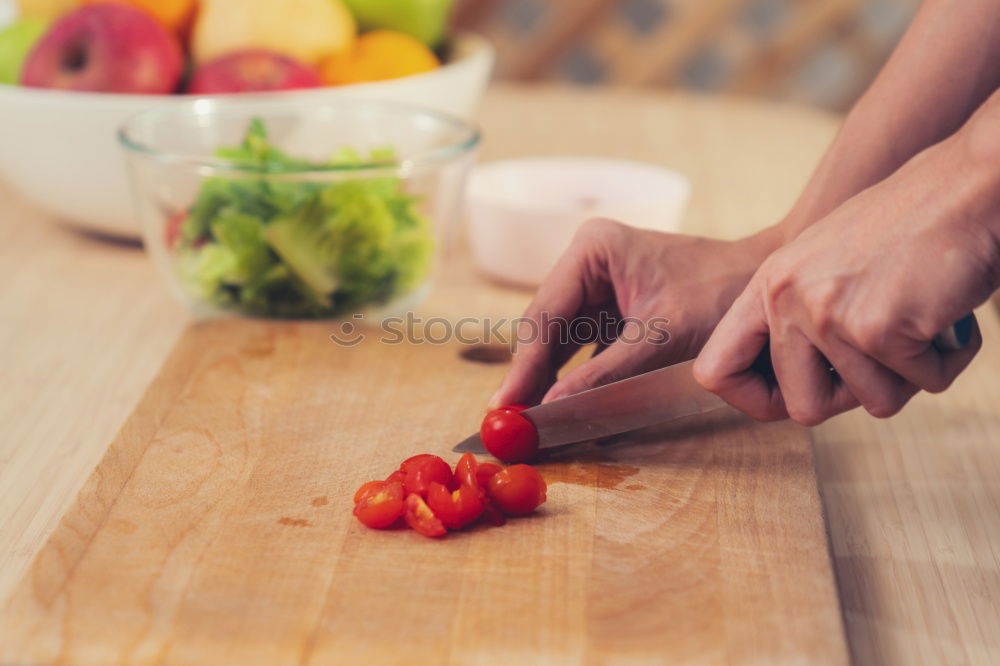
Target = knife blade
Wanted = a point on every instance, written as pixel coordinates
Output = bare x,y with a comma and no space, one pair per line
644,400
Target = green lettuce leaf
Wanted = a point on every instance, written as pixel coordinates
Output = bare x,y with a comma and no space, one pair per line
273,246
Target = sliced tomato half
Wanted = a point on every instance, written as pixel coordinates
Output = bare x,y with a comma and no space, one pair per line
380,505
457,508
420,517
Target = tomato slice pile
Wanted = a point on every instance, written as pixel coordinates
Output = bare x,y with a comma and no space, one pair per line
432,499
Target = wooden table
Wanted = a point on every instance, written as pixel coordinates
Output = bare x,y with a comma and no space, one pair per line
912,503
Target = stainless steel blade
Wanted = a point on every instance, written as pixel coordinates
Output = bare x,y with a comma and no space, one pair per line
644,400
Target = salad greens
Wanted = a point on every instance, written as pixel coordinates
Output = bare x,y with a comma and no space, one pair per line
291,248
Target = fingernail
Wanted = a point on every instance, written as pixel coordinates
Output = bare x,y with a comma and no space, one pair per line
553,395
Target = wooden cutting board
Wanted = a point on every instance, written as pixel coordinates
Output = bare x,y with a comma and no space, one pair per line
217,529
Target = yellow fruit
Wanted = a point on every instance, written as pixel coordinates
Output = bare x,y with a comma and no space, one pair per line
307,30
48,9
377,56
174,14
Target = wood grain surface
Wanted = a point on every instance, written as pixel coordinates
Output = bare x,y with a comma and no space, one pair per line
914,515
912,501
217,529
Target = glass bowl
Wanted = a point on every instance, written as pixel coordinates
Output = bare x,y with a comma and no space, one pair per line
287,210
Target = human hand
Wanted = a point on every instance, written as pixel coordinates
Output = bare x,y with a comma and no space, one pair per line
864,291
633,275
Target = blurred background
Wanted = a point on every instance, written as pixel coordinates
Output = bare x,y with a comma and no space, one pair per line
819,52
123,56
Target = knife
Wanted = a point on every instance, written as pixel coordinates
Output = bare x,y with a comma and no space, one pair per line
648,399
653,397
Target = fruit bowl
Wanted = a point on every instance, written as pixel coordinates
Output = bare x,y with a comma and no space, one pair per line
59,148
286,209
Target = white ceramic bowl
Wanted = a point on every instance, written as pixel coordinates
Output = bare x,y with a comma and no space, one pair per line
523,213
58,149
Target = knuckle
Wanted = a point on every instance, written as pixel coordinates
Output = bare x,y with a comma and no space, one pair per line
806,414
822,307
937,382
706,376
823,321
779,281
869,334
885,409
599,228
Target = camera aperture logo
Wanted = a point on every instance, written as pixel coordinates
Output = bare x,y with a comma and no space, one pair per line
604,330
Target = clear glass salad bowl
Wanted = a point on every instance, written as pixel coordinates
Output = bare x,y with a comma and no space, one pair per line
278,209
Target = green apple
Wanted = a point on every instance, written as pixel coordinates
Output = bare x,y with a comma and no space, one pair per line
425,20
15,42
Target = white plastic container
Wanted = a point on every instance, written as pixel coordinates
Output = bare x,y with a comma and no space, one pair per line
523,213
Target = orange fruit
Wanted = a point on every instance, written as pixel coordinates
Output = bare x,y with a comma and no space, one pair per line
377,56
174,14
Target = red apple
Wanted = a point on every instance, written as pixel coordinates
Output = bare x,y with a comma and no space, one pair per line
251,71
109,47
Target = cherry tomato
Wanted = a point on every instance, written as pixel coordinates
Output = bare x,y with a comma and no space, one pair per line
508,435
420,517
485,472
367,488
396,476
517,490
405,466
422,473
456,509
380,507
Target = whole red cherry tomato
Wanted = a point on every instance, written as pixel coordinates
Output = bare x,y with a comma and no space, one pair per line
423,472
381,505
456,509
509,435
517,490
405,466
420,517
